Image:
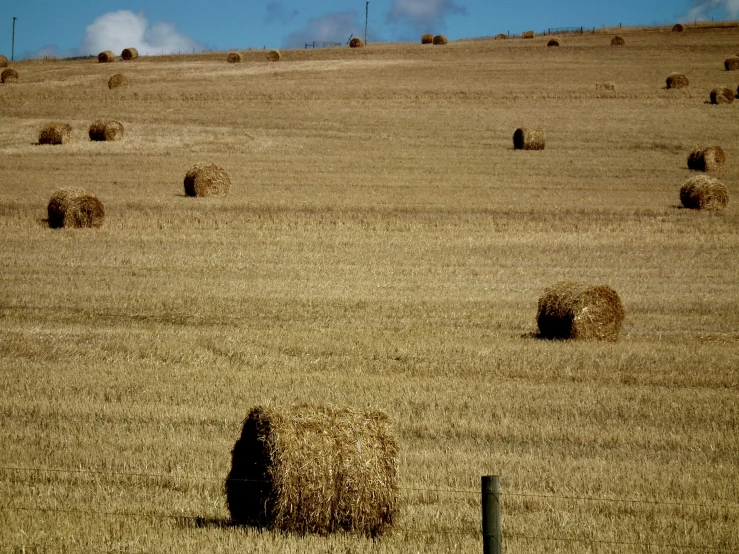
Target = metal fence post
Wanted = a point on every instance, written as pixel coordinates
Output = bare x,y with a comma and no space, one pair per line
492,538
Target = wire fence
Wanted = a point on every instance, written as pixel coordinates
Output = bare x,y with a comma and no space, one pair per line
199,520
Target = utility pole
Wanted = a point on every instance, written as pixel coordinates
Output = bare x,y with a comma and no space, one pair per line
366,15
12,43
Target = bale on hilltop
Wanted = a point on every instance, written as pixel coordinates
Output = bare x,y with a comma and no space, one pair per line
129,54
274,55
356,42
3,61
75,208
618,40
722,95
702,192
501,36
553,42
106,130
55,133
427,38
707,159
207,180
578,311
527,34
117,80
315,469
8,76
233,57
528,139
106,57
678,28
440,40
677,80
731,63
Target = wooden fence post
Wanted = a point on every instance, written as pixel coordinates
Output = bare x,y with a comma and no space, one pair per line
492,538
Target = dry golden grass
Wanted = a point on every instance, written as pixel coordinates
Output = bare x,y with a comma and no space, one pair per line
383,247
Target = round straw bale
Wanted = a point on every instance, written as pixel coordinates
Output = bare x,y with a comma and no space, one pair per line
315,469
427,38
711,158
356,42
233,57
722,95
207,180
55,133
702,192
106,130
570,310
75,207
678,28
117,80
731,63
605,86
440,40
618,40
106,57
9,75
3,61
528,139
677,80
501,36
553,42
528,34
274,55
129,54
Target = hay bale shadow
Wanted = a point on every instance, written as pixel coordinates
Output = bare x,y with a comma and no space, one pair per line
202,522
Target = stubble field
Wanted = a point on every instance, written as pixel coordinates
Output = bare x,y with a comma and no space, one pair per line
383,246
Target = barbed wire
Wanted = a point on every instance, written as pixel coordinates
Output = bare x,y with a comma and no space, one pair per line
621,543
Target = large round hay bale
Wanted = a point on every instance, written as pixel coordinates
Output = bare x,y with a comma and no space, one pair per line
55,133
233,57
528,34
106,57
106,130
677,80
427,38
9,76
678,28
315,469
553,42
528,139
129,54
731,63
3,61
440,40
722,95
117,80
570,310
75,207
356,42
207,180
702,192
708,159
618,40
501,36
274,55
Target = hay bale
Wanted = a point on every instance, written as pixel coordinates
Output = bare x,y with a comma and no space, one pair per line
553,42
708,159
702,192
274,55
233,57
117,80
528,139
722,95
207,180
106,130
106,57
76,208
129,54
618,40
605,86
678,28
440,40
315,469
3,61
55,133
9,76
731,63
570,310
427,38
501,36
528,34
356,42
677,80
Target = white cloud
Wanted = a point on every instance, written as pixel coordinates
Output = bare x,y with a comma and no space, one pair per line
125,29
423,13
702,8
333,27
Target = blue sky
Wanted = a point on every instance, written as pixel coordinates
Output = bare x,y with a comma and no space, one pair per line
81,27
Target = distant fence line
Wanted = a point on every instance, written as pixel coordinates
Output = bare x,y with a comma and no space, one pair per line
321,44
